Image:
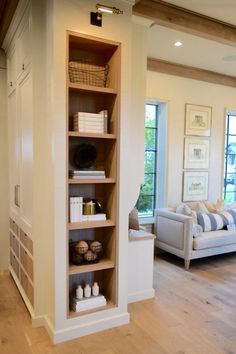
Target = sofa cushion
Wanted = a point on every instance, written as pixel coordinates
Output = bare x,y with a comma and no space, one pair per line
214,239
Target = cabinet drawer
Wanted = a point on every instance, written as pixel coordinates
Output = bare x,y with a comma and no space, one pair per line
14,244
27,242
26,262
14,264
14,227
27,286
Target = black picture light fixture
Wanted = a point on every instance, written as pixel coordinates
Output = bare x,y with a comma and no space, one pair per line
96,17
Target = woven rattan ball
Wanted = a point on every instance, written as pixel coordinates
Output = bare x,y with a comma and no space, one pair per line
81,247
96,246
90,256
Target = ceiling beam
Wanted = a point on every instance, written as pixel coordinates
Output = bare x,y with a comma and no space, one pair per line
8,8
190,72
178,18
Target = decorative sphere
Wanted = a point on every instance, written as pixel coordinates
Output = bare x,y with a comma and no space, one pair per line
90,256
96,246
81,247
77,258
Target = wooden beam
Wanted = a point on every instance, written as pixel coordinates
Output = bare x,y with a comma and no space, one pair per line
8,8
178,18
190,72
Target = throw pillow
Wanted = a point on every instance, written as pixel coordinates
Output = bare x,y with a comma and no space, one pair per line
200,208
210,221
216,221
183,209
220,205
210,207
133,219
197,230
186,210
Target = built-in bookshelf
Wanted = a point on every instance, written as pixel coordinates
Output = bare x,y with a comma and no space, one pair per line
86,98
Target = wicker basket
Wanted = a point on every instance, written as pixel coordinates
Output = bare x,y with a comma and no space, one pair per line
88,74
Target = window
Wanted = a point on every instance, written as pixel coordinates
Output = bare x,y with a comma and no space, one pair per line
147,198
229,192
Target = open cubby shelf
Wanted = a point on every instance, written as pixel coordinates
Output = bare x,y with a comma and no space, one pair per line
84,97
85,268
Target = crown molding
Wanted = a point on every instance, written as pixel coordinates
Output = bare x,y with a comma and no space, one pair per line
190,72
178,18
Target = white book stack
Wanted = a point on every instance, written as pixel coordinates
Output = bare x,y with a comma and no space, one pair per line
85,122
94,217
88,303
87,174
76,209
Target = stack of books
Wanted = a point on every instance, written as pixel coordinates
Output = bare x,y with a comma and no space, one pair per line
85,122
88,303
87,174
94,217
76,209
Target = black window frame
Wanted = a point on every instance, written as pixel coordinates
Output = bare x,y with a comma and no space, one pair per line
154,150
229,177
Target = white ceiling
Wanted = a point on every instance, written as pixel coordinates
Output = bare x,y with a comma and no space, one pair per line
196,51
224,10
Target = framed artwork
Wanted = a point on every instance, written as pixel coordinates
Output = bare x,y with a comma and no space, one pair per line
196,153
195,186
197,120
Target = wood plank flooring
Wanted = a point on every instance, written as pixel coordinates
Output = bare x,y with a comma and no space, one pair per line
193,313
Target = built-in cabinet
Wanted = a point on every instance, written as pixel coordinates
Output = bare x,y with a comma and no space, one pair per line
21,261
19,53
20,134
88,97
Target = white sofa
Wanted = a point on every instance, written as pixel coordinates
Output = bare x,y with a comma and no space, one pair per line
174,234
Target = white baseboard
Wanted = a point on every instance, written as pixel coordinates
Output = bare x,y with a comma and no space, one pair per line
92,327
141,295
43,321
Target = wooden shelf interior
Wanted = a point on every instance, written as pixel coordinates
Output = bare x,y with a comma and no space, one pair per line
105,194
90,102
97,52
106,280
106,235
83,97
109,305
106,151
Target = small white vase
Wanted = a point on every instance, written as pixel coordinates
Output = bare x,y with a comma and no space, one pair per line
87,290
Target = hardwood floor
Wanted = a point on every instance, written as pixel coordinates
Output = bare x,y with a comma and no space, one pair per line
193,313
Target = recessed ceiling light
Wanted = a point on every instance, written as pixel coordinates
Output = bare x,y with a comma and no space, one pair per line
178,44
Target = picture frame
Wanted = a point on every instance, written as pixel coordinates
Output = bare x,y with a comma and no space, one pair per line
196,153
197,120
195,186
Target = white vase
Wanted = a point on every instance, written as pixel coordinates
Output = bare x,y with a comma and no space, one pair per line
79,292
95,289
87,290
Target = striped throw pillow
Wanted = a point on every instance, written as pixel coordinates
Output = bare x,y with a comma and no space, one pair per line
216,221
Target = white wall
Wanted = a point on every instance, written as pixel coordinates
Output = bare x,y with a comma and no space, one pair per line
4,236
177,91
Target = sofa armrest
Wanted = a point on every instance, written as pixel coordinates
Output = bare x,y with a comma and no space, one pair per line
175,231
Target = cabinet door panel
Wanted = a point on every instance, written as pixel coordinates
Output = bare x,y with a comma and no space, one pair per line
13,131
12,68
24,45
26,165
